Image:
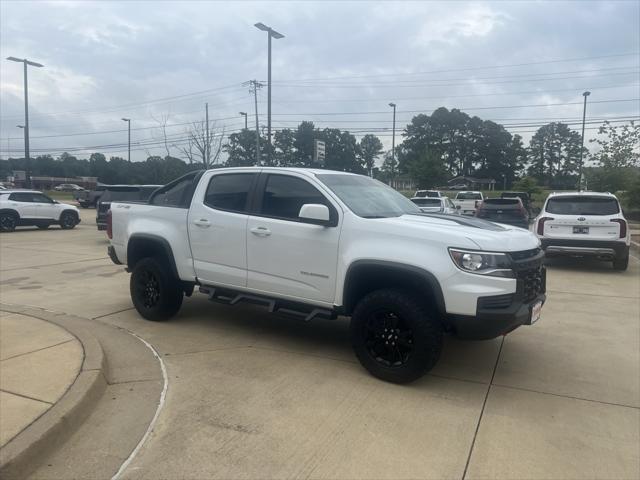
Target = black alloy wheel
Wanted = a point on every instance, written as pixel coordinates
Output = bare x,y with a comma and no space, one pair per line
389,339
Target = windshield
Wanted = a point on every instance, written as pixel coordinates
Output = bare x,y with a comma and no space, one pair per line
583,206
468,196
426,202
368,198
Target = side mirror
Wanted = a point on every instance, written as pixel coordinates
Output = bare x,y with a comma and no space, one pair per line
315,213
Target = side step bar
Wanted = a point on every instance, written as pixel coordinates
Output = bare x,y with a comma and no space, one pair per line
281,307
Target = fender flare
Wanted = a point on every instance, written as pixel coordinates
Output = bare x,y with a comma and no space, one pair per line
429,278
159,241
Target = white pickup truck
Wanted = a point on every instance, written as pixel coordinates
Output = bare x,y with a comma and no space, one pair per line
317,243
467,202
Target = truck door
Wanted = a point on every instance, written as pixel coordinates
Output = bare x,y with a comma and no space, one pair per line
285,255
218,227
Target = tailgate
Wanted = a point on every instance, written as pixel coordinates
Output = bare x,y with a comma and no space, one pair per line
587,229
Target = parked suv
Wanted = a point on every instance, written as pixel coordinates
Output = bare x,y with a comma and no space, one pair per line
30,207
120,193
319,244
436,205
504,210
584,224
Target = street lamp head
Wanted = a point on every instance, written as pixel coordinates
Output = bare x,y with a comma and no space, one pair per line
272,32
24,60
587,93
20,126
243,113
392,105
126,119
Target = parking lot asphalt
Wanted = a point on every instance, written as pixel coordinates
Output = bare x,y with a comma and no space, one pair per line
251,395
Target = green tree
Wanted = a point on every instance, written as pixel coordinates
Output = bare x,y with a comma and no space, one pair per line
620,146
285,152
241,148
554,155
429,170
527,184
370,148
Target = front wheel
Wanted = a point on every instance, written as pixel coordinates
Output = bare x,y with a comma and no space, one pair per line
68,220
394,336
155,292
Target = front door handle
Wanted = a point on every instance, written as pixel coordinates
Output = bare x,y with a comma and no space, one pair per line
261,231
203,222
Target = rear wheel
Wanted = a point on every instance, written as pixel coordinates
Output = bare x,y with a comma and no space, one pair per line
155,292
68,220
394,336
8,222
621,263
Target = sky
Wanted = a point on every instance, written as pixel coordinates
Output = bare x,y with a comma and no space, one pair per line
520,63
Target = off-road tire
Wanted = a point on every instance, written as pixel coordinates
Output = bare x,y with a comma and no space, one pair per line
155,291
621,263
68,220
8,222
398,318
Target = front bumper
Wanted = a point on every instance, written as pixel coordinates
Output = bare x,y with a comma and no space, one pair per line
491,323
607,249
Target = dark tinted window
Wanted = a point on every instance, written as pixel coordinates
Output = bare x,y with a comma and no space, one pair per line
468,196
512,202
426,202
21,197
284,196
173,195
583,205
229,191
40,198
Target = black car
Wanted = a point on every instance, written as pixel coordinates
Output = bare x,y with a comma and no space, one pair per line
89,198
504,210
121,193
524,196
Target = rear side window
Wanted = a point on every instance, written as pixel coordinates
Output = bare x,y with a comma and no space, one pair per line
229,191
284,196
583,206
22,197
172,195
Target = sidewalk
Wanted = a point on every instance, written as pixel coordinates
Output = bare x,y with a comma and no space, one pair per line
38,363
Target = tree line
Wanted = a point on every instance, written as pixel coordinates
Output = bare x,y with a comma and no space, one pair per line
431,149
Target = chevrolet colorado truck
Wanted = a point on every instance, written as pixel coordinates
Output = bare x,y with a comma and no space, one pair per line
322,244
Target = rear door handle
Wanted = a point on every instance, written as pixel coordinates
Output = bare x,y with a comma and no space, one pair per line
260,231
203,222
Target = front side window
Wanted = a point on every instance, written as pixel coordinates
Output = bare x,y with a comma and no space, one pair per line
285,195
229,191
40,198
368,198
580,205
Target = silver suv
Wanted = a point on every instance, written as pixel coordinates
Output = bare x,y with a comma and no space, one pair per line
584,224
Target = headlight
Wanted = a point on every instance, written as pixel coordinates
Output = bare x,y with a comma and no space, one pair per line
482,263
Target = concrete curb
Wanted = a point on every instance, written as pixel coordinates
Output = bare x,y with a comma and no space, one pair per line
20,455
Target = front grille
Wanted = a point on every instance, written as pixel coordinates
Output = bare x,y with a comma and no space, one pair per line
530,273
495,302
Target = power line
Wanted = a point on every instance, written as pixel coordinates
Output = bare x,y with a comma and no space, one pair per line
466,69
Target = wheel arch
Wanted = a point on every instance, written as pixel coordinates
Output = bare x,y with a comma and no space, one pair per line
71,211
365,276
10,211
143,245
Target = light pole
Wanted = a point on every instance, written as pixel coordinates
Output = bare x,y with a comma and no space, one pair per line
270,33
584,116
128,120
244,114
26,62
393,137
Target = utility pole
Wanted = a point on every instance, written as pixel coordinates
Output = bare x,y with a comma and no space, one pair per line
128,120
207,144
254,87
393,138
584,116
27,157
271,33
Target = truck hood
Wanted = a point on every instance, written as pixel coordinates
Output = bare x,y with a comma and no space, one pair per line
461,230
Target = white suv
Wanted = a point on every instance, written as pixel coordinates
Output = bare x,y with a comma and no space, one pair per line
584,224
30,207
